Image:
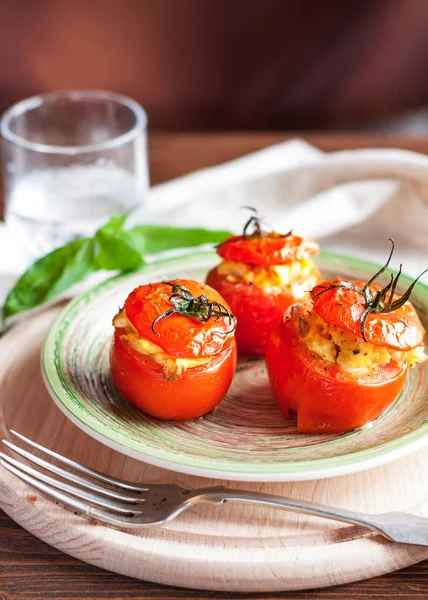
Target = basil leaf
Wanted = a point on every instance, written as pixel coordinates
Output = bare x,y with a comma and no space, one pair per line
117,249
113,248
50,276
116,222
157,238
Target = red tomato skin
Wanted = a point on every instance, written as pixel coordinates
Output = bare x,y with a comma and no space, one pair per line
177,335
267,250
256,311
398,330
194,393
326,398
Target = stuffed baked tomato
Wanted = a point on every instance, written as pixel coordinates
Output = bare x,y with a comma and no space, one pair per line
340,359
174,351
261,275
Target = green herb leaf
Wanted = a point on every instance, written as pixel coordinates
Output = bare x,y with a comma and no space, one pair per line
50,276
117,249
157,238
113,248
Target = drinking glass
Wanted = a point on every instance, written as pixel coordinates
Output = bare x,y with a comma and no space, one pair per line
71,160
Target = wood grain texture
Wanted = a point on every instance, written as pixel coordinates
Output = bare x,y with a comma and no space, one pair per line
234,547
31,569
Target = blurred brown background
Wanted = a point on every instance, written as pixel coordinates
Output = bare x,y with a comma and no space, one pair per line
224,64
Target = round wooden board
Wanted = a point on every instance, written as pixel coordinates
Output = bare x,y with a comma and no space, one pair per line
233,547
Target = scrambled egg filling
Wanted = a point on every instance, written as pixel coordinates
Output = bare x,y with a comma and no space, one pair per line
172,367
300,275
350,352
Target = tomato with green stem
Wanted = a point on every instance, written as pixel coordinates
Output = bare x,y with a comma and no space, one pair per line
340,360
173,354
262,273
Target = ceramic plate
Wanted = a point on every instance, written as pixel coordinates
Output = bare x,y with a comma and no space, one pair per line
245,437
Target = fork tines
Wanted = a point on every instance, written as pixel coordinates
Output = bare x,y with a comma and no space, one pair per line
92,493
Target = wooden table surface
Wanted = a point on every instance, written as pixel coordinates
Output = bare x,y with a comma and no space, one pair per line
30,568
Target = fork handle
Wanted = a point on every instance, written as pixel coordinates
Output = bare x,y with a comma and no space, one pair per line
219,495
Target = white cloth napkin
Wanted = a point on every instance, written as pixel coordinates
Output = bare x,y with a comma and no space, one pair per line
350,201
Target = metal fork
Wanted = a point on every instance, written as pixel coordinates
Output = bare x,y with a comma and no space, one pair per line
126,504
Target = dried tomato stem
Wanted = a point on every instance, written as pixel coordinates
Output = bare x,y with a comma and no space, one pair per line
378,302
184,303
258,231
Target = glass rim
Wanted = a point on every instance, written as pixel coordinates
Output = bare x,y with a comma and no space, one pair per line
35,101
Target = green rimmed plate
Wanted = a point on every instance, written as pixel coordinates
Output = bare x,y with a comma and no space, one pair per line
245,437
